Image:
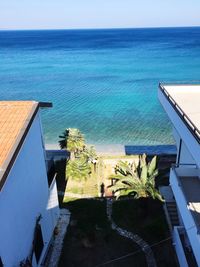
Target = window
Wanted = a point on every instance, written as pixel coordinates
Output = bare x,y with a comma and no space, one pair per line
39,243
1,263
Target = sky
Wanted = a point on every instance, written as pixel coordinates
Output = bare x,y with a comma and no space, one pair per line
78,14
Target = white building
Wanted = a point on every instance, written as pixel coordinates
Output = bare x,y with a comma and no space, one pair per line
28,202
182,105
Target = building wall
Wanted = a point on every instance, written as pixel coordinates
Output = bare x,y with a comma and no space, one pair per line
179,248
189,154
192,145
187,218
183,154
23,198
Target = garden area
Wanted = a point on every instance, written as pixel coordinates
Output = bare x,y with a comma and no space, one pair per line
90,241
138,208
150,225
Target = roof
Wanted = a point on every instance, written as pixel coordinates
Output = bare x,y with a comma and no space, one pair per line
15,120
185,100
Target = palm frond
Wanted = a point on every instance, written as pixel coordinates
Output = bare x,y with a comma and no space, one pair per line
152,166
138,180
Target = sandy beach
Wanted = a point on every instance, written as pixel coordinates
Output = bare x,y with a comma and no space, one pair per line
113,149
122,150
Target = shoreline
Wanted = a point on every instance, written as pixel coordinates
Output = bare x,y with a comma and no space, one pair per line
125,150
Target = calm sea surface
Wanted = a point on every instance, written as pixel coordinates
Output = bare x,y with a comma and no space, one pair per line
102,81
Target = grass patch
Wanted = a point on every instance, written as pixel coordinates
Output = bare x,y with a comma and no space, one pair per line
85,212
87,187
130,214
66,200
90,240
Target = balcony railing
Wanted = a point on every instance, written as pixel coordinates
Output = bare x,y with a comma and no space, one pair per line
183,249
185,180
189,124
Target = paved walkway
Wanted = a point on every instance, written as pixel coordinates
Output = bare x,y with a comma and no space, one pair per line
134,237
59,238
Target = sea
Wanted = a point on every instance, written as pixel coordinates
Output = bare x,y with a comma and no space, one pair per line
104,82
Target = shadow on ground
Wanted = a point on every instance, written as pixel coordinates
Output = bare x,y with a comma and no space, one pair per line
90,240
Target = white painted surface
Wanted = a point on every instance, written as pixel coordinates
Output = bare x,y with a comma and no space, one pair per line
23,198
188,98
187,218
176,137
185,155
53,205
179,248
191,143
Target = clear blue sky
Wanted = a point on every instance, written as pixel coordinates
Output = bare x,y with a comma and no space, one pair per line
67,14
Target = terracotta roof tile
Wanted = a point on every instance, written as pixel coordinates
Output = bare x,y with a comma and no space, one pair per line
14,117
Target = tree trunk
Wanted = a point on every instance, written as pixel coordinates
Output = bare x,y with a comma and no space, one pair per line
72,156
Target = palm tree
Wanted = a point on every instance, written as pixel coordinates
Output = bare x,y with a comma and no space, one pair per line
78,169
90,154
136,180
73,140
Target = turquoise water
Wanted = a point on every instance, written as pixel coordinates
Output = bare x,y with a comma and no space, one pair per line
103,82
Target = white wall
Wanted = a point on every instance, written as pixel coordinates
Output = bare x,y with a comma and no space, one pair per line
179,248
53,204
185,155
24,196
192,145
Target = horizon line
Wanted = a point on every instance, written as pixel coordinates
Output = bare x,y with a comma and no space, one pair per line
115,28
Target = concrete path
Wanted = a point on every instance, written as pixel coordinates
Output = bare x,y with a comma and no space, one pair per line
134,237
57,245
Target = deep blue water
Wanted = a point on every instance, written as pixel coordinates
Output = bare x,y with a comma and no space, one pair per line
104,82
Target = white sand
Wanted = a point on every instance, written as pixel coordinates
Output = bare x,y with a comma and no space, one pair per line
113,149
119,150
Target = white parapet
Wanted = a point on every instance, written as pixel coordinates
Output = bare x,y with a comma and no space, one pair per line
179,247
184,189
181,103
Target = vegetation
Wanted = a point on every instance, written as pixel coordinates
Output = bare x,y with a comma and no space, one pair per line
91,241
136,180
78,169
89,153
72,140
129,214
82,157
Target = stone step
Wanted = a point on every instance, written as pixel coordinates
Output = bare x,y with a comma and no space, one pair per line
173,213
171,205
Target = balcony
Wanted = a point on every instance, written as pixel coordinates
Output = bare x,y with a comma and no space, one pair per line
183,249
185,185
